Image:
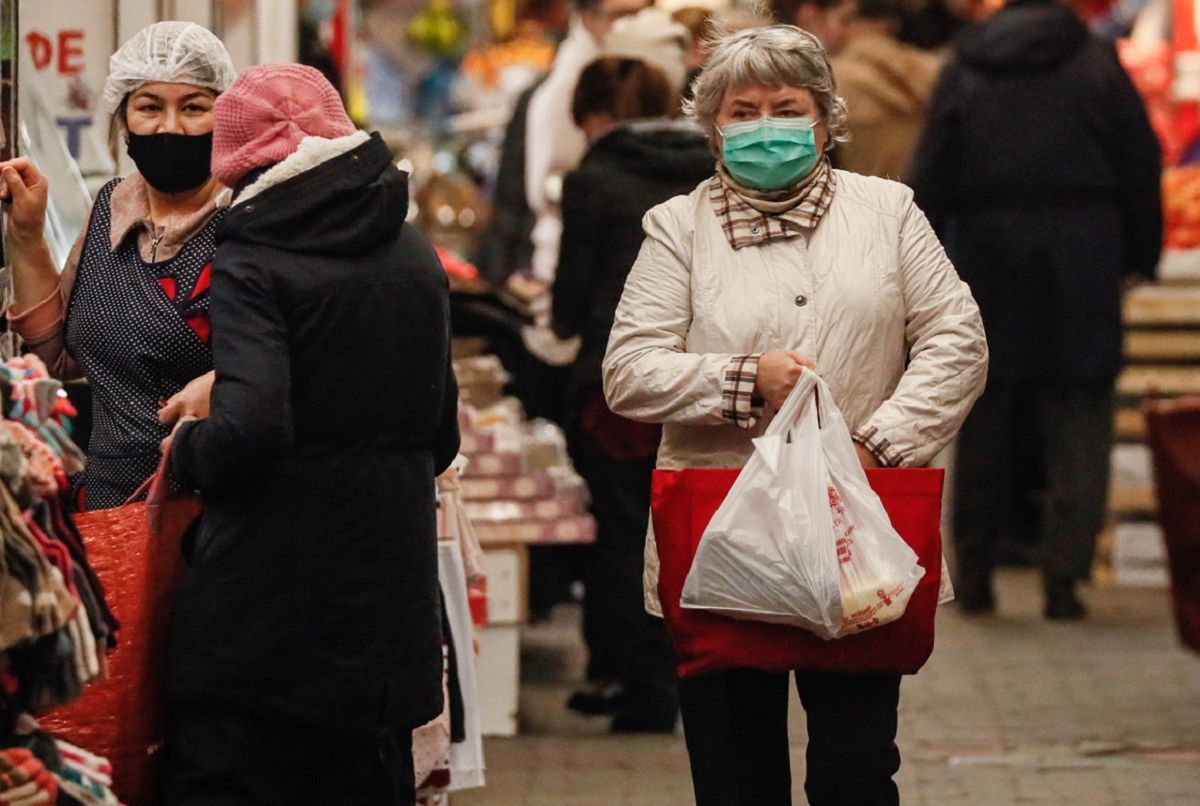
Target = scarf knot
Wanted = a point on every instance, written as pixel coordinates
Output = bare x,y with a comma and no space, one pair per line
749,217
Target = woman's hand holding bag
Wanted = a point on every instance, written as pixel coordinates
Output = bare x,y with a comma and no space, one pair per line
802,539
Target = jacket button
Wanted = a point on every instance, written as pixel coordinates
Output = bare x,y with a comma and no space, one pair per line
801,300
754,230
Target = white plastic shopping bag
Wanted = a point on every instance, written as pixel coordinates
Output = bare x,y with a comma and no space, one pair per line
801,538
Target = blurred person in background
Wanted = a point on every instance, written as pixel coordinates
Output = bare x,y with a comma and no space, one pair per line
638,158
774,264
1039,168
553,145
933,24
519,252
130,309
887,86
696,20
701,23
828,20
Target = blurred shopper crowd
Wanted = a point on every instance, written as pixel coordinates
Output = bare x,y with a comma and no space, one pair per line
962,101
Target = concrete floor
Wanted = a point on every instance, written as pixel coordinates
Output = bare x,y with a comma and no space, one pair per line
1011,709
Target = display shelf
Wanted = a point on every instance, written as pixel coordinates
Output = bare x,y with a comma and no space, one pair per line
1163,345
1179,265
1158,379
1162,305
519,489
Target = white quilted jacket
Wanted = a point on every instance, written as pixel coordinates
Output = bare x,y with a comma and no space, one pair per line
869,295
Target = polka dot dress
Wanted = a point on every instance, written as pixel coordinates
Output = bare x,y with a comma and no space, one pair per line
140,333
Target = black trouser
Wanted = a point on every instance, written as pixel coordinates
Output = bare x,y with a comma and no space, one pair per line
735,724
1073,428
225,758
622,638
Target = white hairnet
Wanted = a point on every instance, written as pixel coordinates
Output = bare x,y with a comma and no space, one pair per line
171,52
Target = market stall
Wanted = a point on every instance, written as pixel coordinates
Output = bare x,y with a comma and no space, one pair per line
519,491
1162,320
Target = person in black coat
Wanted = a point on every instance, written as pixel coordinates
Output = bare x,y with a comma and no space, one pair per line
637,159
1041,173
307,640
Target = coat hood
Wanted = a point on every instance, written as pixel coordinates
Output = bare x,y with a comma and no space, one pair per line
343,197
1024,36
666,150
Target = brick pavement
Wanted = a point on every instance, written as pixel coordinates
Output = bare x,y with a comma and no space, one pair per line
1011,709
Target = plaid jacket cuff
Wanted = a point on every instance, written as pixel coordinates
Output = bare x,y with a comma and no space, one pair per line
737,391
878,444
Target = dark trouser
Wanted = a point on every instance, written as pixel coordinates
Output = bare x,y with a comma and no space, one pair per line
735,724
225,758
622,638
1073,428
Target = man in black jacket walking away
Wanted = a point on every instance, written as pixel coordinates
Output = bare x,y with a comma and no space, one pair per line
307,642
1041,173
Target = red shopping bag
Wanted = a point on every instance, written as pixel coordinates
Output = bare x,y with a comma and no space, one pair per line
135,550
1173,430
683,502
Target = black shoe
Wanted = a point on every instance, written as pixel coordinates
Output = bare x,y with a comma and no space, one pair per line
597,698
636,722
974,596
1062,603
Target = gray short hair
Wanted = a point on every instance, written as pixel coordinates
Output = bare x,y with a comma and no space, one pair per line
776,56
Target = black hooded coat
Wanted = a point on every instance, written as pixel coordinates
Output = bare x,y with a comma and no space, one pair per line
1040,171
313,592
625,172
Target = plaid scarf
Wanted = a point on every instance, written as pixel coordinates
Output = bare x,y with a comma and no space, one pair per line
751,217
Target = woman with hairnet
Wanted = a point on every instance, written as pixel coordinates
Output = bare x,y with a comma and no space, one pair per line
130,309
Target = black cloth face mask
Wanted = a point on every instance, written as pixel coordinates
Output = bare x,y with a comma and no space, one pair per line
172,163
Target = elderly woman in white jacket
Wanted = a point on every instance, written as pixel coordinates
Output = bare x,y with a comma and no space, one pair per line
776,263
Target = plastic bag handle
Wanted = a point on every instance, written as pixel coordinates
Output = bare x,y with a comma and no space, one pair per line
823,397
806,386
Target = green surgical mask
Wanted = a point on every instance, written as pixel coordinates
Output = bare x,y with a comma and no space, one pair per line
770,153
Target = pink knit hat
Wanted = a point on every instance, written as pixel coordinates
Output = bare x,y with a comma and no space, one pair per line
262,118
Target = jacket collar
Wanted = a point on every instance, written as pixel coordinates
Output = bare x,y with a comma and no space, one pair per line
311,152
130,204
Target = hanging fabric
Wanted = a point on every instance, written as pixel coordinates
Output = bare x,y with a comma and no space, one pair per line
55,626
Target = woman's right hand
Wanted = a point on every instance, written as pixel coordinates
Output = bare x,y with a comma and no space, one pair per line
778,372
27,189
191,402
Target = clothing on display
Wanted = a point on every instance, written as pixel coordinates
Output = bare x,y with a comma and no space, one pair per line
55,627
448,751
42,770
